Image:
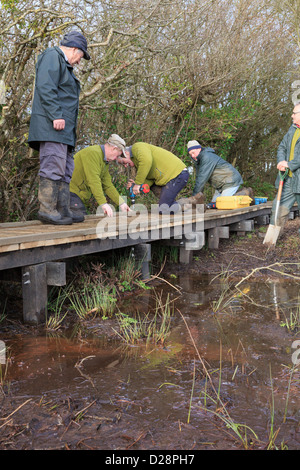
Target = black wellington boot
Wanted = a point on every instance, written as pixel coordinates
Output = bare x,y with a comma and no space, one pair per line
48,195
63,203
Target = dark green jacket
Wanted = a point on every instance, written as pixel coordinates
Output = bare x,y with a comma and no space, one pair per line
283,153
213,169
56,96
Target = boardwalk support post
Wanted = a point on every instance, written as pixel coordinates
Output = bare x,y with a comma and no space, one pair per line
34,286
242,227
142,253
190,243
35,280
214,235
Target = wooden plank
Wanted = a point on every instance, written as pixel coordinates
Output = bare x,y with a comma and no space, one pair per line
6,248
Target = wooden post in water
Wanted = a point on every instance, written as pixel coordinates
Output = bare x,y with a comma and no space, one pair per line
34,287
142,253
35,282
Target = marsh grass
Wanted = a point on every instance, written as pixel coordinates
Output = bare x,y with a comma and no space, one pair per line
4,383
243,432
95,291
213,403
55,312
93,300
227,294
124,273
3,314
154,326
292,320
210,401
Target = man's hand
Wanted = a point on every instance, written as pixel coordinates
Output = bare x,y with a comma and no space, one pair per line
282,166
129,184
107,210
136,189
59,124
125,208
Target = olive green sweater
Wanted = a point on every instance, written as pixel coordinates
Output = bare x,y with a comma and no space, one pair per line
155,165
91,177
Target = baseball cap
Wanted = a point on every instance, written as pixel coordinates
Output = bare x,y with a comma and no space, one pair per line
76,39
118,142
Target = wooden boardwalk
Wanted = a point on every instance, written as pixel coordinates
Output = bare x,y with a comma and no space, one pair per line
40,250
19,240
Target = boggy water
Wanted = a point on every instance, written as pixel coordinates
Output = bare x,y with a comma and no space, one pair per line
83,389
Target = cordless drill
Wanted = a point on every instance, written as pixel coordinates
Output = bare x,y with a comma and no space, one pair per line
144,189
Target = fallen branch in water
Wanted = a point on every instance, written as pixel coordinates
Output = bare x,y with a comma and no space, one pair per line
271,268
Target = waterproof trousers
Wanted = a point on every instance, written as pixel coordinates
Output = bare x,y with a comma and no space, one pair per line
226,192
56,161
288,199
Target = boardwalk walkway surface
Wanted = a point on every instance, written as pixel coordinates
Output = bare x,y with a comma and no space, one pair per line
40,249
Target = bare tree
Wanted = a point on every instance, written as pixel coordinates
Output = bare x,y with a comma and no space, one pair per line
161,71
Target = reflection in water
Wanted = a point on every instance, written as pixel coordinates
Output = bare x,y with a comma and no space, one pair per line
156,387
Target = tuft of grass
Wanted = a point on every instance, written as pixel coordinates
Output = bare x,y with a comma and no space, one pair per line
3,315
152,327
4,383
55,313
292,321
226,296
124,273
93,299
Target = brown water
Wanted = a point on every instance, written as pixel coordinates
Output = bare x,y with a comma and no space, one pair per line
82,389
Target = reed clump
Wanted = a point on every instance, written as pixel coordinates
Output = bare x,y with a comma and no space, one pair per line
154,326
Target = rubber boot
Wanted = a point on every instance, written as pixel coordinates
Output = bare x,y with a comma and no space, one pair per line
63,204
185,204
192,201
156,190
48,195
197,199
246,192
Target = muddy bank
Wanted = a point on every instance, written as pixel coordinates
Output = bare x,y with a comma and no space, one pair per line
239,255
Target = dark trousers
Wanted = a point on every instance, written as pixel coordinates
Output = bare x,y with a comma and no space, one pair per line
167,203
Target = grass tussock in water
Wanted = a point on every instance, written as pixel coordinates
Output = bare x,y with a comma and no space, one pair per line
94,293
153,326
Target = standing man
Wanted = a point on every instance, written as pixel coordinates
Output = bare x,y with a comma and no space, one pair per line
53,125
288,157
91,176
224,178
156,166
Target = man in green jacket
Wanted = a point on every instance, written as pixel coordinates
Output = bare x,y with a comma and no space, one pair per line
288,157
91,176
157,167
53,124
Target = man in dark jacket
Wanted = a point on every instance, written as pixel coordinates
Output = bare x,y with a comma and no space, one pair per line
224,178
53,125
288,157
